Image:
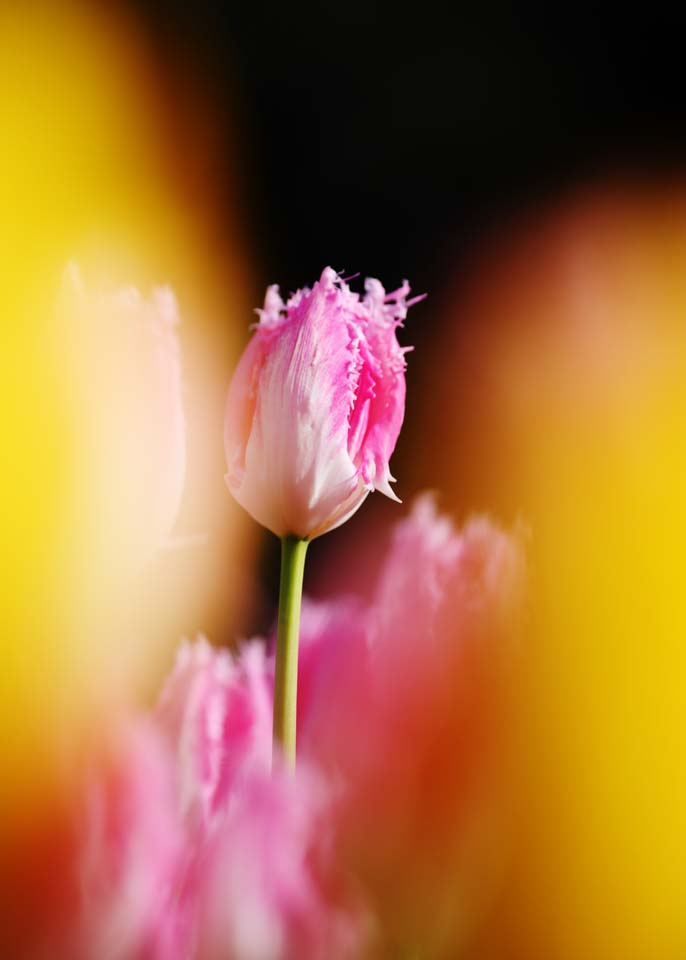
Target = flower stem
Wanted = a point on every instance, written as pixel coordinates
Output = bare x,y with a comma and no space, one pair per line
293,552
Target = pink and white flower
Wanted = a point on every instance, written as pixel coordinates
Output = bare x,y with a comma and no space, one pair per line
316,405
195,846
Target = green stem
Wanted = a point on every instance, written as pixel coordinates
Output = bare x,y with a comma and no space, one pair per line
293,552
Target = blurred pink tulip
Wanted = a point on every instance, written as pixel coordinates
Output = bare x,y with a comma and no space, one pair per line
194,847
124,362
316,405
403,705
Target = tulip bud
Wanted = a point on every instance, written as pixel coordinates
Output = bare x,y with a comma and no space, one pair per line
316,405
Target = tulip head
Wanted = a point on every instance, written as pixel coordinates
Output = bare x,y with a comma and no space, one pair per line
316,405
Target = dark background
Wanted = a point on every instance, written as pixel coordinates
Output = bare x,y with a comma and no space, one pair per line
392,139
383,137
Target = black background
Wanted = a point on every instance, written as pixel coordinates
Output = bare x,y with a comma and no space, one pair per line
383,137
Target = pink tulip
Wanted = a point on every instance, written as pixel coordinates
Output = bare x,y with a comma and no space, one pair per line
402,704
195,847
316,405
441,594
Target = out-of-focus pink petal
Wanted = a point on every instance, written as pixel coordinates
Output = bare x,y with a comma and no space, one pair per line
437,581
134,859
194,846
334,682
265,898
402,706
216,711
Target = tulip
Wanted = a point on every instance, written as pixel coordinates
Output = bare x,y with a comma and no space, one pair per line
123,361
316,405
313,414
403,703
191,847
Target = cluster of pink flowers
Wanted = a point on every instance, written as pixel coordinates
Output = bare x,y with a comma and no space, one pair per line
195,847
195,838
